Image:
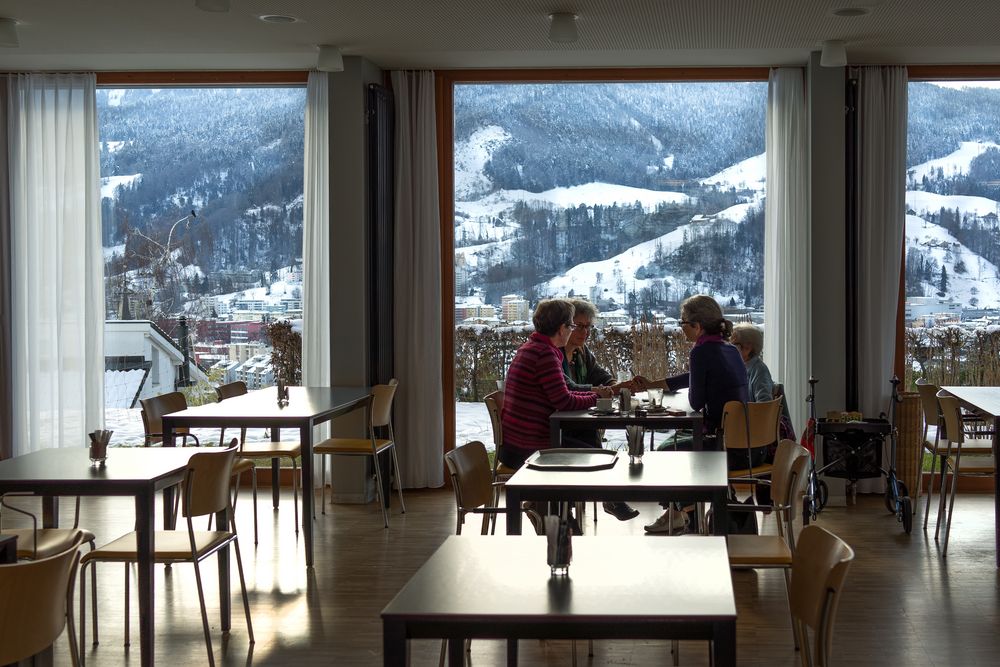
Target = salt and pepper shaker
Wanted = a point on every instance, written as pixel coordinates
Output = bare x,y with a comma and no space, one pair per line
624,400
282,392
99,447
560,544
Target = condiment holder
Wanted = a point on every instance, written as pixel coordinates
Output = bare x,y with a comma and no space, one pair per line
559,539
99,447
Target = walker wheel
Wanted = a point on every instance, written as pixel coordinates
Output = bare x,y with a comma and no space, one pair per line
890,502
822,494
907,509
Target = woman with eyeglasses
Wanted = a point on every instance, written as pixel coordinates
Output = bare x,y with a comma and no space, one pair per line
716,374
536,387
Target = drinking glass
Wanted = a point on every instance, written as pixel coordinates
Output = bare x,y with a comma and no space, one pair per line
623,376
655,396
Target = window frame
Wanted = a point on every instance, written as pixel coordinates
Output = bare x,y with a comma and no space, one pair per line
445,81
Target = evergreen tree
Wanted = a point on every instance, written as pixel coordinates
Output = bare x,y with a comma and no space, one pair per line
943,281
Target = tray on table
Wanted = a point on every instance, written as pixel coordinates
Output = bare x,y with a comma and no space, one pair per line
572,459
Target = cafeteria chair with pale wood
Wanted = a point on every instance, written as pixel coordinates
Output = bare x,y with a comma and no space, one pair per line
379,410
501,473
819,569
206,492
747,426
36,602
932,416
255,451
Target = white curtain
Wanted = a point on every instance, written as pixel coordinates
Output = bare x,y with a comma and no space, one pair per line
882,211
787,265
419,403
316,244
57,265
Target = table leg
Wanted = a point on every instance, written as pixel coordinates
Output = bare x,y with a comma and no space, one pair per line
456,652
511,653
275,470
50,511
393,644
513,511
555,433
169,520
724,644
145,546
225,594
696,439
308,493
720,512
996,488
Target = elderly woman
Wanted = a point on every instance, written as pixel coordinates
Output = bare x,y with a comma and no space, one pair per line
583,373
536,386
716,374
749,340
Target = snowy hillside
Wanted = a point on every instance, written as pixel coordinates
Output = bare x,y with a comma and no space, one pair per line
750,174
589,194
110,184
605,275
928,202
471,157
954,164
981,279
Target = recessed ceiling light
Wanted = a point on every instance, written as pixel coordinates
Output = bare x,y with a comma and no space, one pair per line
849,12
279,18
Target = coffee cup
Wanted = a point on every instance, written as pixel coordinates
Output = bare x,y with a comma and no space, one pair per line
605,404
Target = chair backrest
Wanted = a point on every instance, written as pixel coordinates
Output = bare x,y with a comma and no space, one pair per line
951,411
763,420
494,404
782,475
929,402
153,410
471,476
382,405
34,599
819,569
207,482
224,391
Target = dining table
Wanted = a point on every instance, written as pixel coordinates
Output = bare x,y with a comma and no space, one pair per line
674,412
136,472
616,587
8,549
657,477
985,402
304,409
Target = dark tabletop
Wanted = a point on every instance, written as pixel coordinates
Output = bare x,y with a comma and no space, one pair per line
304,403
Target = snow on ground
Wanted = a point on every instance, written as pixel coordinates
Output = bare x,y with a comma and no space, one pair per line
929,202
935,241
121,387
582,277
588,194
110,184
474,252
953,164
749,174
111,251
127,426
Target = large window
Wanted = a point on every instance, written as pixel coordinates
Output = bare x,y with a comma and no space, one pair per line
952,264
202,227
630,195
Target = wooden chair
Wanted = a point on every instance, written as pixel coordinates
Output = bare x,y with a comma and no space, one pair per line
982,463
379,410
253,452
760,421
206,492
819,569
501,473
788,484
932,415
37,604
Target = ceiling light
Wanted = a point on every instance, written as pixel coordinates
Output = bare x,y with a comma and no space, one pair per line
212,5
834,54
8,32
849,12
329,59
562,27
278,18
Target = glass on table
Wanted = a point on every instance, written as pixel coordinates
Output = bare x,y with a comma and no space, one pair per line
623,376
655,396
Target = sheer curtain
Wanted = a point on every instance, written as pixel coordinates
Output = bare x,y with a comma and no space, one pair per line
787,270
419,403
57,267
316,243
882,113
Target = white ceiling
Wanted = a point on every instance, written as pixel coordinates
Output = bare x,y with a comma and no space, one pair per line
173,34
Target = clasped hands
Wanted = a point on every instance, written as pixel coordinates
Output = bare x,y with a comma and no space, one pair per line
635,385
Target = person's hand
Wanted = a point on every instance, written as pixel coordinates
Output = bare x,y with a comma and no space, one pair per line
640,383
604,392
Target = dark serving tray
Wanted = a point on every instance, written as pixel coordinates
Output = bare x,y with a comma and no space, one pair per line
572,459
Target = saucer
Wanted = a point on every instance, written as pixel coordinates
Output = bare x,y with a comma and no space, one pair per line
603,413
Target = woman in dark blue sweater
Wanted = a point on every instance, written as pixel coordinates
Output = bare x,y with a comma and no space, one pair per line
716,372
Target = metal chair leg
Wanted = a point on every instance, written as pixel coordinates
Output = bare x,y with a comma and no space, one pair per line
322,487
399,480
951,502
204,614
378,487
930,485
295,491
253,484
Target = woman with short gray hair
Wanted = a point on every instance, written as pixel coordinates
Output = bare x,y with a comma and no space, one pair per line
749,340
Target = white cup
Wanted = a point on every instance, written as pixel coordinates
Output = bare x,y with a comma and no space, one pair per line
605,404
500,384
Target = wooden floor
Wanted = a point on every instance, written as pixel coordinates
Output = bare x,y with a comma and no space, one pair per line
903,605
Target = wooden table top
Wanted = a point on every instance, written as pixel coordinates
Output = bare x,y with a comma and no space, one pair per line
677,401
675,470
616,579
125,467
986,399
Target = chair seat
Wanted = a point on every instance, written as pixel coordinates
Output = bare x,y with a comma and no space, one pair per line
350,446
270,450
974,465
241,466
758,551
171,545
506,470
51,541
